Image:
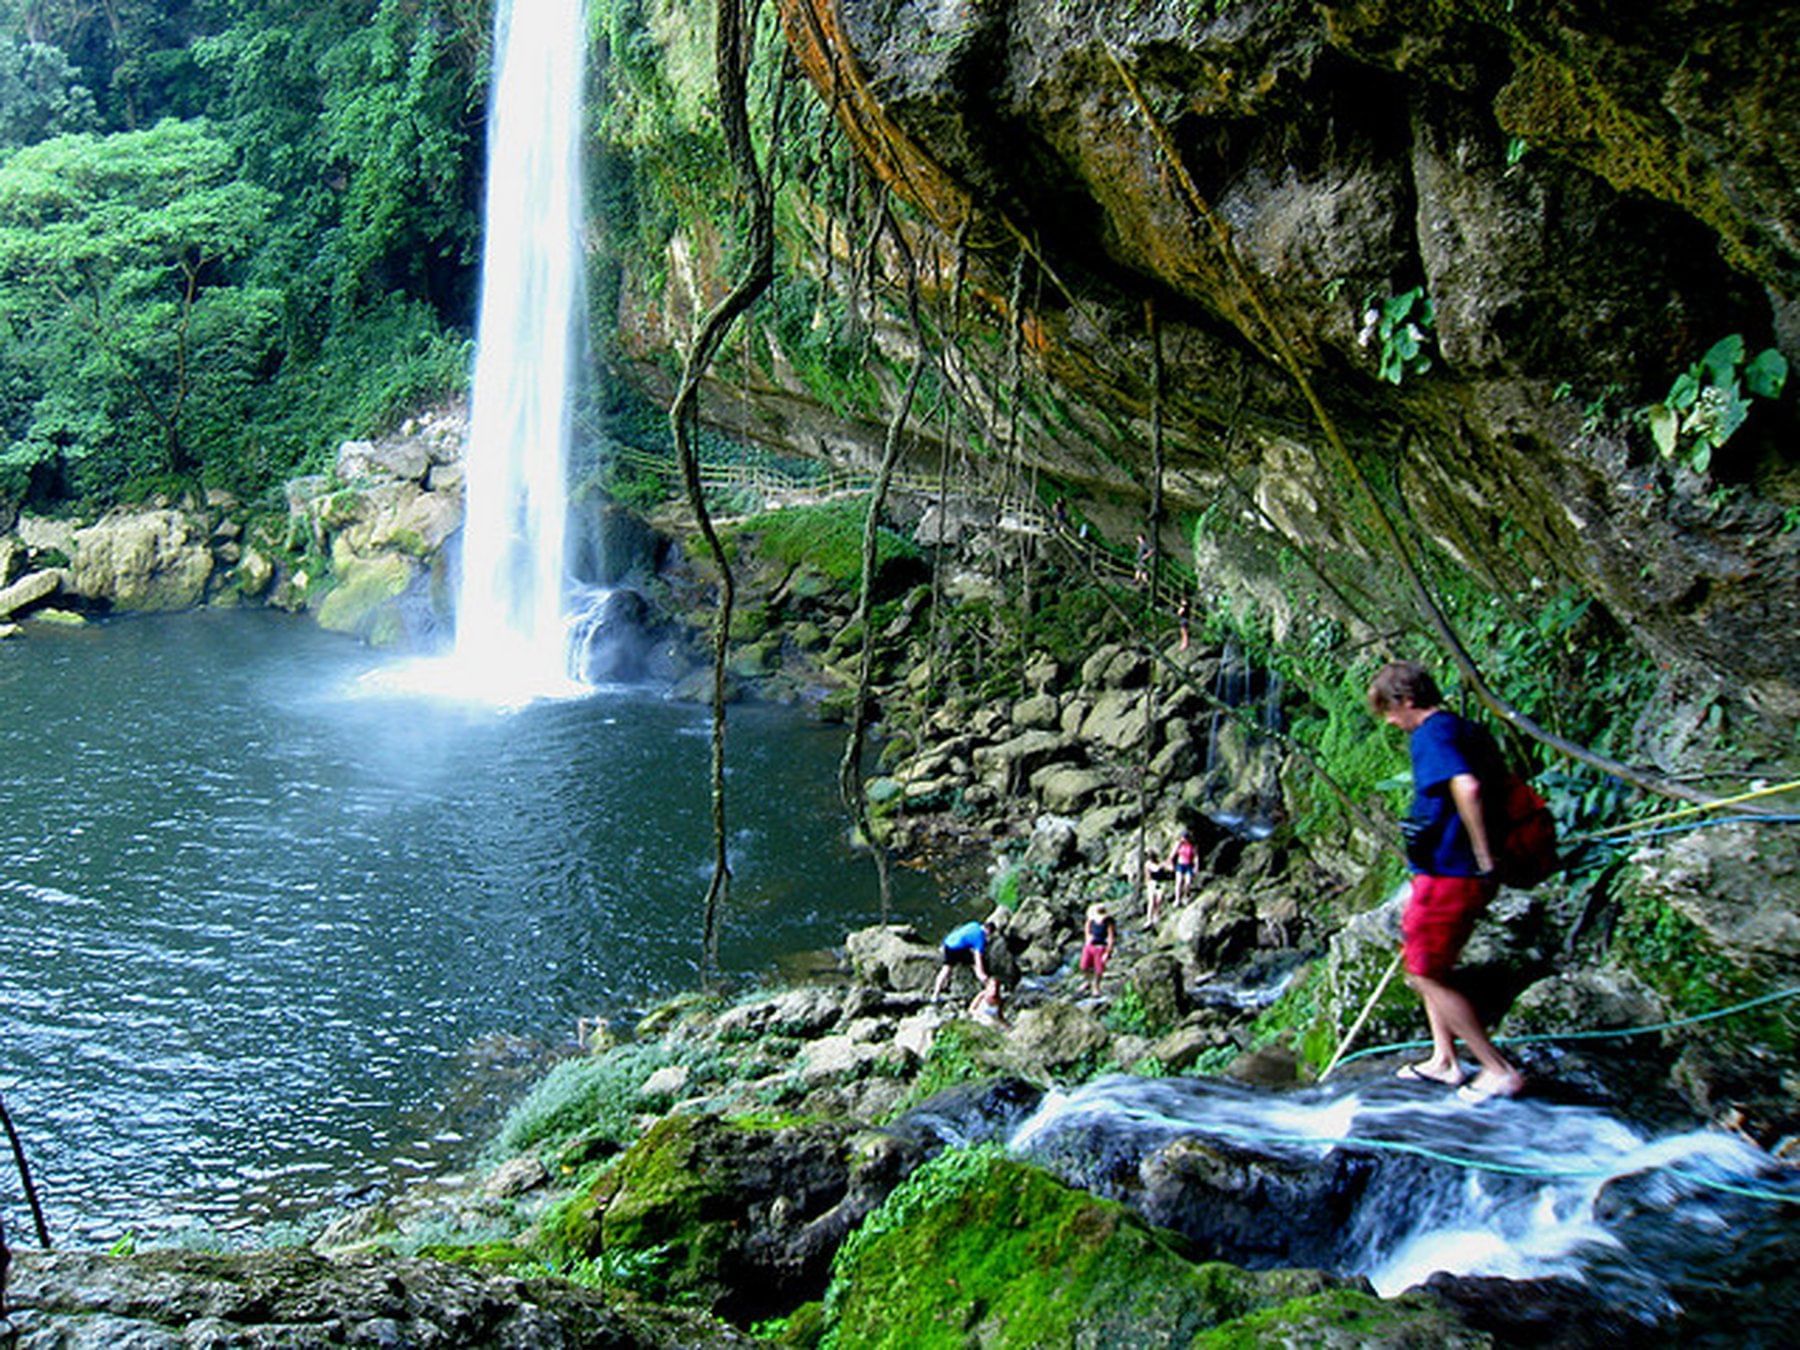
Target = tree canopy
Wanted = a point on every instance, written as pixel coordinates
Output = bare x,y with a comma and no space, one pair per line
232,232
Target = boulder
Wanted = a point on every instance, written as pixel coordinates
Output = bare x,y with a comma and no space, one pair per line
299,1299
1052,843
1057,1035
836,1057
1117,721
1011,763
1040,712
996,1252
515,1177
1161,988
404,460
1102,827
28,590
1064,789
1042,672
741,1219
141,560
364,601
892,956
1099,661
802,1012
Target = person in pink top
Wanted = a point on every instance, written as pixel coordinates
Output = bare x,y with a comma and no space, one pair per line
1184,858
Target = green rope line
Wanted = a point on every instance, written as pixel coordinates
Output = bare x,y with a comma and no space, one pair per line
1732,1011
1488,1165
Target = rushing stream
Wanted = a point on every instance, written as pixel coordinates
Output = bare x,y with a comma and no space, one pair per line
264,920
1396,1182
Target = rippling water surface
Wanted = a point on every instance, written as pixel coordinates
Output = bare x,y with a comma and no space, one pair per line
260,919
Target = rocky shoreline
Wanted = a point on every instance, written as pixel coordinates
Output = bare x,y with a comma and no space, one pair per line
734,1156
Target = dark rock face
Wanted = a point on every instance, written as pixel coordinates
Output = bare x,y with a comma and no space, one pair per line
298,1300
746,1218
1589,201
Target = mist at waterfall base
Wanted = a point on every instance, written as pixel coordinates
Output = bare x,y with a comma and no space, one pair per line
278,940
1396,1182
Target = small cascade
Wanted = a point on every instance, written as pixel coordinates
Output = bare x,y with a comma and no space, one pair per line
1242,775
511,635
1397,1182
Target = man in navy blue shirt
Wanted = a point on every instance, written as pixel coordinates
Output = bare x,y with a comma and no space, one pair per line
1451,855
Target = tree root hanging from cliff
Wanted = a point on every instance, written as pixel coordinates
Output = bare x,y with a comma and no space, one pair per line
850,779
1434,613
731,58
1153,331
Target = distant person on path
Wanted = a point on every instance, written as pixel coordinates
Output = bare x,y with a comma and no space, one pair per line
964,946
1099,936
1158,873
1184,858
1181,622
1452,860
1140,572
988,1006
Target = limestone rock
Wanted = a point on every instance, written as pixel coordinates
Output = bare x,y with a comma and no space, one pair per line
363,602
802,1012
28,590
1040,713
404,460
1064,789
1117,721
1052,842
516,1176
1011,763
303,1301
141,560
1057,1034
892,957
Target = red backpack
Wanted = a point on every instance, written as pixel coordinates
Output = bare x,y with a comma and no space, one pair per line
1525,835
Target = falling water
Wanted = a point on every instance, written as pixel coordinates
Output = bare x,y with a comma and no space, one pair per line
510,632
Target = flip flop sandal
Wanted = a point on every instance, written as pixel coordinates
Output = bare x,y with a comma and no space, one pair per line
1411,1073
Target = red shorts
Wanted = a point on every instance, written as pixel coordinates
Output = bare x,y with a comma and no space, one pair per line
1438,918
1093,958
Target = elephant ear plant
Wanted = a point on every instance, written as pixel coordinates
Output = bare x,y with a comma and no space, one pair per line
1711,398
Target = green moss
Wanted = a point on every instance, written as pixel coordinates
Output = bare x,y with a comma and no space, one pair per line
1675,957
484,1256
1343,1317
975,1248
961,1052
361,601
826,538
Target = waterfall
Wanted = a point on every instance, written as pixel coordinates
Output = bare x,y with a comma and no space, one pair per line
510,630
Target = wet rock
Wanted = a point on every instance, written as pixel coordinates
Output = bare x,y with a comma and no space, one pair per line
745,1219
358,1228
1161,988
1241,1206
1538,1312
302,1301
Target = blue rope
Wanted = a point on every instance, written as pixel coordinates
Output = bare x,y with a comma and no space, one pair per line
1487,1165
1595,1035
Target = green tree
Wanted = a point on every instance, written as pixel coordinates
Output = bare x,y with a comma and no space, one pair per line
116,287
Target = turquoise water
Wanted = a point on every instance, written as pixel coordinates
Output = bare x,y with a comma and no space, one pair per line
264,924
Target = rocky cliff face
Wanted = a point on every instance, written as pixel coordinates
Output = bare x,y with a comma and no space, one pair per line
1551,209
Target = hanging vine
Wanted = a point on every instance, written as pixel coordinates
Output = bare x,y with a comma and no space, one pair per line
850,779
1153,331
1434,613
731,53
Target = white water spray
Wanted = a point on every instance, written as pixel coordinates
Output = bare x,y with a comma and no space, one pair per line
510,632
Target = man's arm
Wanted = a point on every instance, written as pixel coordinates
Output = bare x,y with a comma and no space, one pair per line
1465,791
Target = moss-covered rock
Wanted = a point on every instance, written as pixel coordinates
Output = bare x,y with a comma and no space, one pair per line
364,600
976,1249
740,1215
1344,1317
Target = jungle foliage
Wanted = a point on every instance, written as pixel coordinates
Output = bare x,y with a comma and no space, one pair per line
232,233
